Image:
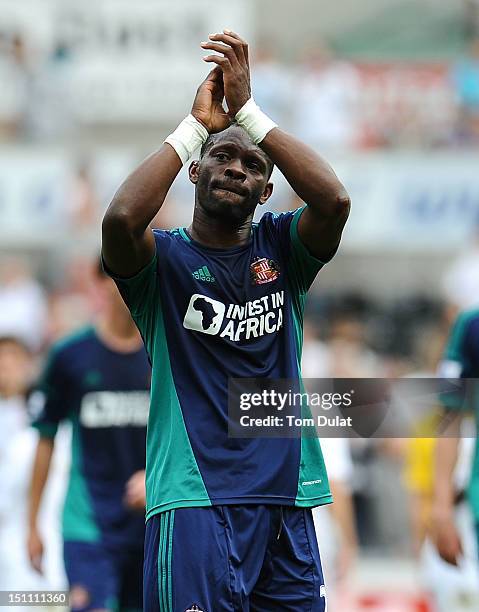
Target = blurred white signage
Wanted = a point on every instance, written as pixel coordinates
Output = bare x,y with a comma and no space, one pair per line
39,193
118,60
33,195
400,202
427,201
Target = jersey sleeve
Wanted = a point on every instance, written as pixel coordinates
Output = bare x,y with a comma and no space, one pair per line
302,266
457,364
141,294
48,402
138,291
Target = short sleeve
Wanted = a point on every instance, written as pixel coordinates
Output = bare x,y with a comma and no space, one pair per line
457,364
139,291
303,266
48,402
141,294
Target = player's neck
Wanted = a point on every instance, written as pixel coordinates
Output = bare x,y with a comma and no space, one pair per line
118,333
219,233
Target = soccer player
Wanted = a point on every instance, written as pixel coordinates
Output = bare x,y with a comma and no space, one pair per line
229,523
99,380
461,360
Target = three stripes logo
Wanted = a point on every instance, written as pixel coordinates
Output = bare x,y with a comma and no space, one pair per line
194,608
203,274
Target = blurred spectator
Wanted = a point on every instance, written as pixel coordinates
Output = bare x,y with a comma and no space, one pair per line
16,77
418,464
23,310
84,207
335,526
74,301
349,354
15,374
315,362
52,117
379,505
345,352
452,588
271,83
17,447
460,282
466,84
471,18
324,101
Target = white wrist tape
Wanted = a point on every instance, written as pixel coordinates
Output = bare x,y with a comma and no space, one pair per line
256,123
189,136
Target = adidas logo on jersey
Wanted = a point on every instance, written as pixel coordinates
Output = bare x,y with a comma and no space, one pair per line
204,274
194,608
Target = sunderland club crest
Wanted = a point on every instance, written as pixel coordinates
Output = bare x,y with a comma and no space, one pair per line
264,270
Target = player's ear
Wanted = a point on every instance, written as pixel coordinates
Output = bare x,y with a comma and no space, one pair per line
268,190
193,171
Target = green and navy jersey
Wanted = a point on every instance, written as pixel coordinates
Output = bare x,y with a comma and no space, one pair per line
208,315
105,395
461,360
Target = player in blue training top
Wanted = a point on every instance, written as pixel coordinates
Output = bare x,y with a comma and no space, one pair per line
99,380
229,524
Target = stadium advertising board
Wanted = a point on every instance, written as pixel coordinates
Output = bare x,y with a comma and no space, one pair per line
422,203
118,60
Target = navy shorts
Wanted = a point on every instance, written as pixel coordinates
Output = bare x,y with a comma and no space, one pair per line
233,559
109,580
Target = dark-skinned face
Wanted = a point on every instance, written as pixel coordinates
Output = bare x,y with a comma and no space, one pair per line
232,176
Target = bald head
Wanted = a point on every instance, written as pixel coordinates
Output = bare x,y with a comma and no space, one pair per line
232,176
235,132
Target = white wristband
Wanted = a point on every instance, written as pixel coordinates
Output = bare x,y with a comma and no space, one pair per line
256,123
189,136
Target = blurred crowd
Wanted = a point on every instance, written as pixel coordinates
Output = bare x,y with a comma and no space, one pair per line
330,101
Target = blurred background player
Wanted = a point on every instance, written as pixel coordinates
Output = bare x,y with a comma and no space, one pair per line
23,307
452,527
98,379
451,587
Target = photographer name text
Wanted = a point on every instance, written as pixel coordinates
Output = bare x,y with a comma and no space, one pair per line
292,421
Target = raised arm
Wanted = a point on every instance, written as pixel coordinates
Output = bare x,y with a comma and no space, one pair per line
127,244
314,181
311,177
